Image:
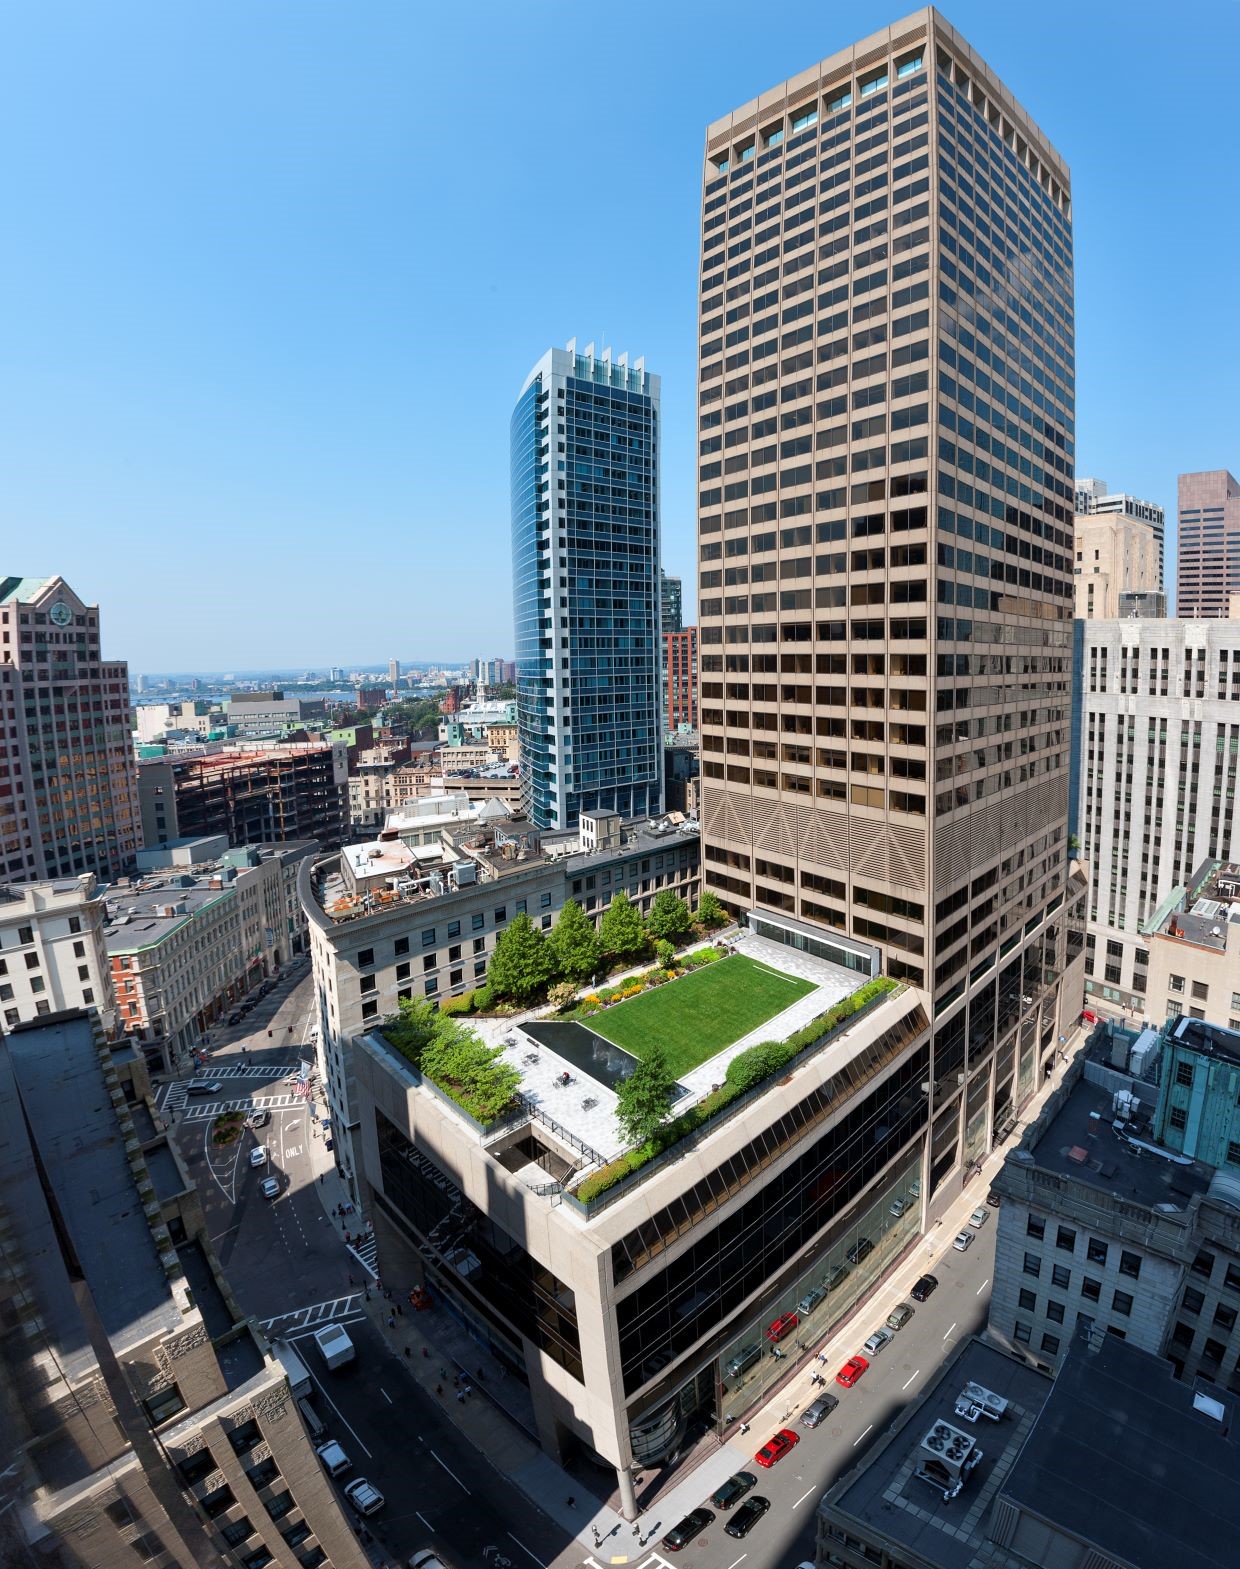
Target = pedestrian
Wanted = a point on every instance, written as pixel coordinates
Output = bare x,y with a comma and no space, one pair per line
400,1310
571,1502
368,1293
456,1380
439,1389
408,1351
481,1376
391,1320
443,1372
425,1352
268,1034
460,1395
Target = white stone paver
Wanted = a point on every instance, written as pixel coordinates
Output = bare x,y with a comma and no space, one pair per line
541,1068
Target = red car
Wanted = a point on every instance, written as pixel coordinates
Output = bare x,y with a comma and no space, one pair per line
776,1448
783,1325
851,1371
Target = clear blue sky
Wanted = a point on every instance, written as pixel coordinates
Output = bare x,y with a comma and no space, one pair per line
273,275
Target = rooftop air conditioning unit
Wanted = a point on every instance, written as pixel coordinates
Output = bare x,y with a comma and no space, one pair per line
976,1401
945,1458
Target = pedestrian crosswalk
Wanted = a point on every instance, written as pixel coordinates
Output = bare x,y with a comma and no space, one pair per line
285,1324
263,1071
175,1097
198,1112
366,1253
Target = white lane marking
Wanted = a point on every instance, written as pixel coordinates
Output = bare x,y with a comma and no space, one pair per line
804,1496
949,1332
385,1395
451,1473
860,1436
534,1556
903,1387
425,1521
982,1287
318,1385
740,1560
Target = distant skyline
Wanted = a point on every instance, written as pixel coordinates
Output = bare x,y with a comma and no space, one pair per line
276,274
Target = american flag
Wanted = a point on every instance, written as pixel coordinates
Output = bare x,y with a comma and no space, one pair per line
302,1088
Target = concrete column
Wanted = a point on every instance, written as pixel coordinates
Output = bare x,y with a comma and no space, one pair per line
628,1499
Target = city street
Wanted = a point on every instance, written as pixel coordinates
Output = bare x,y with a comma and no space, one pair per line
288,1264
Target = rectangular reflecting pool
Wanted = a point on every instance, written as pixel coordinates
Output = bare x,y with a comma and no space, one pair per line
590,1053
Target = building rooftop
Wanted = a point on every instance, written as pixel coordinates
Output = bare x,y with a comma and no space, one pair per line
1083,1142
885,1493
1132,1461
142,916
59,1127
1211,1040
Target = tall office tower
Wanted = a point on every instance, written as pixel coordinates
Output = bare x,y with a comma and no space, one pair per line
64,739
672,603
1115,558
393,673
680,660
585,550
886,413
1208,547
1156,722
1093,499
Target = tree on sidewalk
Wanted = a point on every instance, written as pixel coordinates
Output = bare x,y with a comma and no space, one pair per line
642,1100
621,931
575,944
522,964
709,911
669,917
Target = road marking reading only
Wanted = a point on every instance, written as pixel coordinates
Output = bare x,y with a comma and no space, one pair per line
905,1386
860,1436
982,1287
452,1474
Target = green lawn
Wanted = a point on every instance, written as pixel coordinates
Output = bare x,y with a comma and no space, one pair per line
694,1017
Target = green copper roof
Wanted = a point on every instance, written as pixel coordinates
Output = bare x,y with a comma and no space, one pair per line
21,587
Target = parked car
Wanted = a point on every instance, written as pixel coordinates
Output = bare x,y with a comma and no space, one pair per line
962,1241
733,1490
923,1287
235,1016
899,1316
898,1206
992,1198
860,1249
747,1516
837,1277
777,1447
333,1457
878,1341
851,1371
692,1525
818,1410
259,1118
810,1300
364,1496
202,1087
979,1217
270,1188
914,1188
258,1155
742,1360
780,1327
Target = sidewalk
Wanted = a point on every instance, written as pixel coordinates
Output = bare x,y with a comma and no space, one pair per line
491,1408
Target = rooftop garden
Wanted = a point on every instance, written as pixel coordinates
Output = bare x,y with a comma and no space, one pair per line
703,1012
645,1096
453,1057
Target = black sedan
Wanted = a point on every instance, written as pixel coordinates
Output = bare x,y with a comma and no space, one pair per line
747,1515
733,1489
923,1288
692,1525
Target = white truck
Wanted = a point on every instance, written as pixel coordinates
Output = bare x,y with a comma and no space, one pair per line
334,1345
298,1372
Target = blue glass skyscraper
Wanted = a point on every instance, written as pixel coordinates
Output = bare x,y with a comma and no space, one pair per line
586,598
